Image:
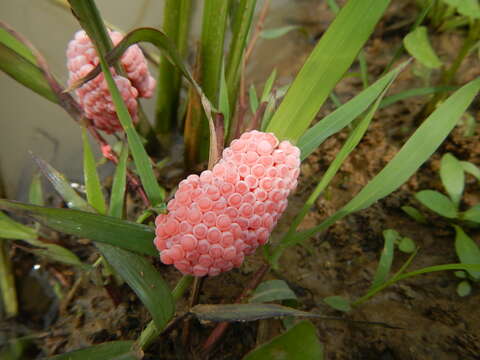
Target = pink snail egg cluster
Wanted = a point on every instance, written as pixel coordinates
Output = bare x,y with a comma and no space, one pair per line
217,218
94,96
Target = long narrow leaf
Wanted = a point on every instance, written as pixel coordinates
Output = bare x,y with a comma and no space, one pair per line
92,182
386,258
114,350
331,58
418,148
345,114
121,233
117,197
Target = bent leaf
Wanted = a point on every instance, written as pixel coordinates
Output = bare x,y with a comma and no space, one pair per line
453,177
467,250
245,312
298,343
386,258
101,228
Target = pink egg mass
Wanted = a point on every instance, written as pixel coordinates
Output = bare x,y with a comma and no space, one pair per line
94,96
217,218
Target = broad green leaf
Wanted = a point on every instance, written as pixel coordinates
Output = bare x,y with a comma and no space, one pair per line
101,228
338,303
418,148
267,88
114,350
92,182
438,203
145,280
415,214
331,58
464,288
272,290
117,196
62,186
252,96
472,214
35,191
386,259
469,8
245,312
298,343
25,72
418,45
406,245
471,169
278,32
453,177
467,251
345,114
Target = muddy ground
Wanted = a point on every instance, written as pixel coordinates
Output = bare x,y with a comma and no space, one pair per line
435,322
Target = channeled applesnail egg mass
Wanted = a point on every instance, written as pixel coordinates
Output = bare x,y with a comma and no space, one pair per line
217,218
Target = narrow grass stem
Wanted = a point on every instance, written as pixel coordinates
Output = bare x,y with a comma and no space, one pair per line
7,282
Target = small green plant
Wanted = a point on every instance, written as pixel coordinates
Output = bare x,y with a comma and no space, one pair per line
450,207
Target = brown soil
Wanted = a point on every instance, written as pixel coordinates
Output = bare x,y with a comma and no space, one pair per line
435,322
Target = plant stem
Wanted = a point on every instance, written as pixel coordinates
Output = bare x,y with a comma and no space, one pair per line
150,333
7,282
176,23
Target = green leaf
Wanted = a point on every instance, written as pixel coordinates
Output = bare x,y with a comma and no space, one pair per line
92,182
460,274
35,191
471,169
267,88
469,8
418,45
278,32
438,203
453,177
145,280
414,213
345,114
245,312
298,343
386,259
10,229
331,58
467,251
338,303
406,245
62,186
101,228
117,197
389,100
272,290
252,95
472,214
114,350
25,72
8,38
464,288
418,148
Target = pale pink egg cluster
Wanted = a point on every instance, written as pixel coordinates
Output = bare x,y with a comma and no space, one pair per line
94,96
217,218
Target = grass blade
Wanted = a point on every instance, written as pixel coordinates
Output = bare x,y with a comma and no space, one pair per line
7,282
325,66
386,259
389,100
418,148
101,228
35,191
345,114
267,88
418,45
92,182
117,197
